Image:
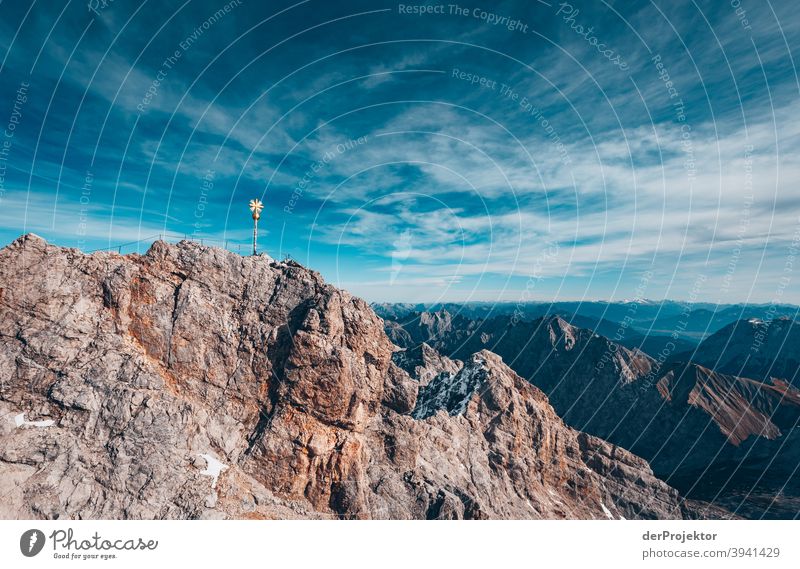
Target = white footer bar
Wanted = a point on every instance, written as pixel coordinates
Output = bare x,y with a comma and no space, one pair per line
371,544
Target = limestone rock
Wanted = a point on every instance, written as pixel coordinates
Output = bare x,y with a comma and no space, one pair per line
129,369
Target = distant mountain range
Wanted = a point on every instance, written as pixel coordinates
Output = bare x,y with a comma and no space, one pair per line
712,420
691,322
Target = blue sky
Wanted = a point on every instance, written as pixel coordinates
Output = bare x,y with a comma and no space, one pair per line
498,151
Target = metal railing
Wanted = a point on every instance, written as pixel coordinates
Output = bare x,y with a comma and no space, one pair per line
142,245
137,246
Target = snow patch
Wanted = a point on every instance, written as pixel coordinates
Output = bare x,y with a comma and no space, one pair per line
450,392
606,511
556,498
213,468
19,421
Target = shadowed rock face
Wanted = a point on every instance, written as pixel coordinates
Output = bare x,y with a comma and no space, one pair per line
191,382
755,348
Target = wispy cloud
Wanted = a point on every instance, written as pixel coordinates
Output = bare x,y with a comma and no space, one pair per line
403,174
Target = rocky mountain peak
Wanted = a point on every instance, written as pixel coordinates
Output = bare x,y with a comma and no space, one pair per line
436,323
423,363
561,332
191,382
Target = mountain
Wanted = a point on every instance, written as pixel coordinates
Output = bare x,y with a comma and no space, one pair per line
690,422
190,382
411,328
686,323
754,348
536,454
424,363
741,408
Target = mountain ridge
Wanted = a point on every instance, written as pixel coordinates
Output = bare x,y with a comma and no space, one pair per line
686,419
190,382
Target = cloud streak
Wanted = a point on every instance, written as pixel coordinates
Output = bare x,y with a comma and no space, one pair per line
458,186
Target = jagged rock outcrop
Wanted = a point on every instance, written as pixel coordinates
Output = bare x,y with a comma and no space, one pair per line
191,382
415,328
424,363
502,438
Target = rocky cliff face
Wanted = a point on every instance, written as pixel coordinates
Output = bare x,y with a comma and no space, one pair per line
191,382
